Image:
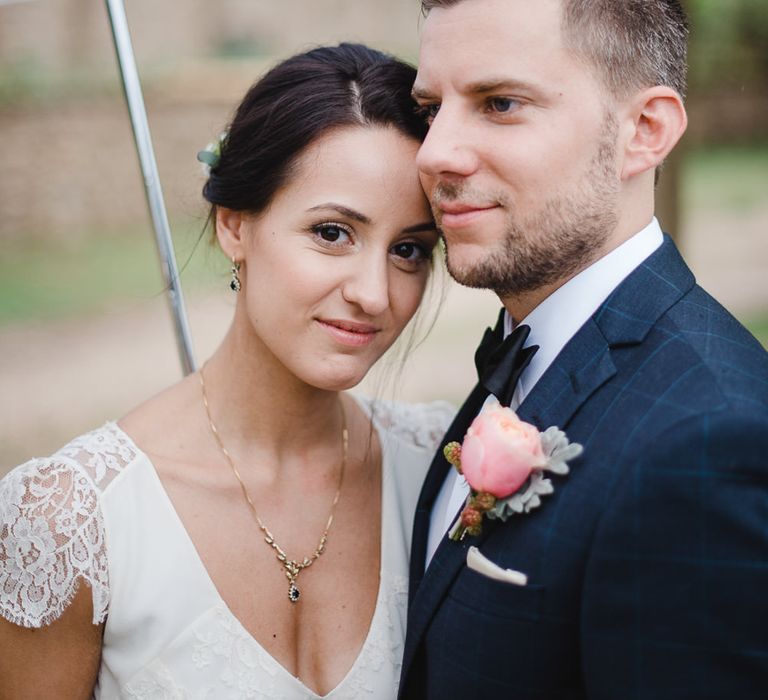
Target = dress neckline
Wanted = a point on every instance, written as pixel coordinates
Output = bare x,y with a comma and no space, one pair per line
386,497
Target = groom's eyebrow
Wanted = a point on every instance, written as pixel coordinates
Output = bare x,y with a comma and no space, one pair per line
344,211
481,87
420,93
499,85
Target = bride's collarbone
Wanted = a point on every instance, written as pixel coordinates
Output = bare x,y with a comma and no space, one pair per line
319,637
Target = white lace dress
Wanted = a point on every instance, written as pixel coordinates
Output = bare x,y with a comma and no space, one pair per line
96,512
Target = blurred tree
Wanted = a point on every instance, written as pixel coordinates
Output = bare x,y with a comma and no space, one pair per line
668,194
729,45
728,59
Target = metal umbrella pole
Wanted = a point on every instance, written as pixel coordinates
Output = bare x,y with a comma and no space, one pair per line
135,100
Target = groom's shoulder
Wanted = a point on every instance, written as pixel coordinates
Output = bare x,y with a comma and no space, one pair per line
714,334
699,343
704,317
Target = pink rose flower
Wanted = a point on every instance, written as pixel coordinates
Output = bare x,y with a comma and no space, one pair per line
500,451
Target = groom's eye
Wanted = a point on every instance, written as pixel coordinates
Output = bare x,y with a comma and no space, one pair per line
502,105
428,112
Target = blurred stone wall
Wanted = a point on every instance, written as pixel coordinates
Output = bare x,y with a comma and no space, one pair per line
70,33
71,170
69,164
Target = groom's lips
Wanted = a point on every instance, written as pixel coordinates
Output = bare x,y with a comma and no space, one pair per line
458,214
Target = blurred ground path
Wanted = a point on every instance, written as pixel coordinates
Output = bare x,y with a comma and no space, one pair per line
60,379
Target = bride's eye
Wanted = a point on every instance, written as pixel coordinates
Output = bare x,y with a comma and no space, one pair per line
331,233
410,253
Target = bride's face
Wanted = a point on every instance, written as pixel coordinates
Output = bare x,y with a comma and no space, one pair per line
336,267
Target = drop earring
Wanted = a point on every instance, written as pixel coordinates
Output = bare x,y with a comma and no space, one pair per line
235,284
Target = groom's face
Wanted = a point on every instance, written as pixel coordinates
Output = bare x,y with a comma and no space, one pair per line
519,163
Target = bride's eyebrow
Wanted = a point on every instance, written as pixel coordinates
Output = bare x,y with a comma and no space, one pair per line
363,219
341,209
418,228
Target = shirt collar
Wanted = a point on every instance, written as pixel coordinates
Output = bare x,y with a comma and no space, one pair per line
557,319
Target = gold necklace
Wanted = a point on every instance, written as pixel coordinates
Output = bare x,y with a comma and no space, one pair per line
292,567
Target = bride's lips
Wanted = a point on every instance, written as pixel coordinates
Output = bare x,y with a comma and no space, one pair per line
350,333
458,214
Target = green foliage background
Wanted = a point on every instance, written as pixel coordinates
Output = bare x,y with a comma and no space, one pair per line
728,46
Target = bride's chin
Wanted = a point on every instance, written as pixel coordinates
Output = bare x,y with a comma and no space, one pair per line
340,383
341,379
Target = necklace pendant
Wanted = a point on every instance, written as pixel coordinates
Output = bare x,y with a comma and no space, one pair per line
293,593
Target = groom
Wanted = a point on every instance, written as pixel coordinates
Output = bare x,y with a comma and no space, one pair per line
644,576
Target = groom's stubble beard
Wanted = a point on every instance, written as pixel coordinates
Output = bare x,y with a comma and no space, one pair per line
550,245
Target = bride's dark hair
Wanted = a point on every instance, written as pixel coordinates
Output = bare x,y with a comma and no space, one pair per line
297,102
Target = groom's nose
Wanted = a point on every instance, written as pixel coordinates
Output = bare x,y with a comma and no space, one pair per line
447,149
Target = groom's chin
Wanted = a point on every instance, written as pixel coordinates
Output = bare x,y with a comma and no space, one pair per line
470,265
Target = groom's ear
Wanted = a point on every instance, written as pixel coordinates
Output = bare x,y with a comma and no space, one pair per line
230,230
653,123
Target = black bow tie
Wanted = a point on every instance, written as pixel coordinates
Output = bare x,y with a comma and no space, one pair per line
500,361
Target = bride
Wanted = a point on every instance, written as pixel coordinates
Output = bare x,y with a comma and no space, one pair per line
245,533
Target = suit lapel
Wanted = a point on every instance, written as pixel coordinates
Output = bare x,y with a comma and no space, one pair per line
434,480
581,368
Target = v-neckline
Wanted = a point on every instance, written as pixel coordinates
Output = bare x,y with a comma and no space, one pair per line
214,591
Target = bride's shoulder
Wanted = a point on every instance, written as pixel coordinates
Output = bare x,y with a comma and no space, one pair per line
95,458
421,425
51,527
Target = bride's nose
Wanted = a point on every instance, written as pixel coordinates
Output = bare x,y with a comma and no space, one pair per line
367,283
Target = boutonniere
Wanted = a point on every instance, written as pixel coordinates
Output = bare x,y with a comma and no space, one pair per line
504,461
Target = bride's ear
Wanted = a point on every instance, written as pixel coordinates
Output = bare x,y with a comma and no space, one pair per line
230,230
656,120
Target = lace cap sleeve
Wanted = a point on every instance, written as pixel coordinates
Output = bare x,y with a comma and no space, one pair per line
52,530
420,424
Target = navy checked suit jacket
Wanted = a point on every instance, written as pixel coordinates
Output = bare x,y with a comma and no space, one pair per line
648,566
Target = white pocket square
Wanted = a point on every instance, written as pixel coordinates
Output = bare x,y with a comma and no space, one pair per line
477,561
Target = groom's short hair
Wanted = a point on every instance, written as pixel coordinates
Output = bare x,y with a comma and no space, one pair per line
631,43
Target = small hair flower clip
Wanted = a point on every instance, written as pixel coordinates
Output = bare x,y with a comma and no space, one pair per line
211,154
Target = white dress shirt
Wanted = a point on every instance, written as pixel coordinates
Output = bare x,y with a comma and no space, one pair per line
553,323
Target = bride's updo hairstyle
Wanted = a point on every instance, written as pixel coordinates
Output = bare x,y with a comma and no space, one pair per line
295,103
